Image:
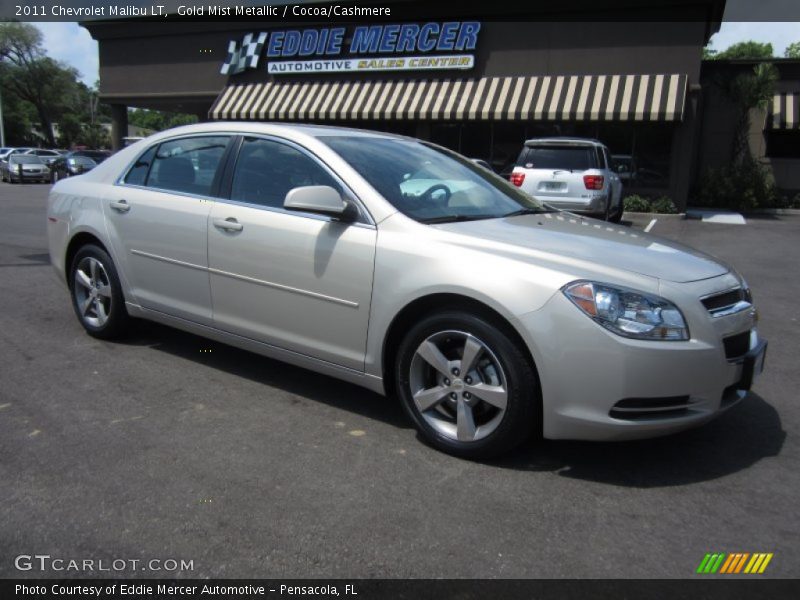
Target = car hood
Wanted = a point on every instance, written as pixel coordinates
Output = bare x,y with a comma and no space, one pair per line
565,234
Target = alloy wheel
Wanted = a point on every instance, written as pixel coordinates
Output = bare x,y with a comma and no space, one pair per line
92,290
458,386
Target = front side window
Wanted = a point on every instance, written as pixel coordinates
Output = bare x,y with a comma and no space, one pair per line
187,165
429,183
267,170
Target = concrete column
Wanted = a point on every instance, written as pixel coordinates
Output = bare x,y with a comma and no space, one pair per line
119,125
682,162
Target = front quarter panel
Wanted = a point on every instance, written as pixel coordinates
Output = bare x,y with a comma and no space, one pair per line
413,261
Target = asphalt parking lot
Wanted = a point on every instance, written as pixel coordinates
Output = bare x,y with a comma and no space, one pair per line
167,446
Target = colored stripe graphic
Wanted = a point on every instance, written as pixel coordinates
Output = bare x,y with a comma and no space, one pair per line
730,565
740,564
727,564
714,563
734,563
765,563
703,563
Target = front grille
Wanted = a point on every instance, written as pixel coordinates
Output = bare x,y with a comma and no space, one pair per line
638,409
736,346
720,302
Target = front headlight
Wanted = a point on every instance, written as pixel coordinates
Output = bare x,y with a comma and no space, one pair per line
628,313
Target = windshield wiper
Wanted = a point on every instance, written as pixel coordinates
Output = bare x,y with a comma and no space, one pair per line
529,211
456,219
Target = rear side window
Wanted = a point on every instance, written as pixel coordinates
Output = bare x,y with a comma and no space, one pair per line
138,172
569,158
266,171
188,165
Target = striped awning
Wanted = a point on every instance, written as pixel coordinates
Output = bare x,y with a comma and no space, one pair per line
547,98
784,112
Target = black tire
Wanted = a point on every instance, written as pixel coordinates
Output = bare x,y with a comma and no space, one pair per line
117,318
616,216
522,416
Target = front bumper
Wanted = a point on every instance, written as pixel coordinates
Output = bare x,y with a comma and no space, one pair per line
30,176
597,385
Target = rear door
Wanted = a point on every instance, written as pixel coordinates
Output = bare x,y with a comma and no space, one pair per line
157,218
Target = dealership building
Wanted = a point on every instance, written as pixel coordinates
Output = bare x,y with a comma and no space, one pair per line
628,73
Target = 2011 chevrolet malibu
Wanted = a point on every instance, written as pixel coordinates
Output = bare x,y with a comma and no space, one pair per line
405,268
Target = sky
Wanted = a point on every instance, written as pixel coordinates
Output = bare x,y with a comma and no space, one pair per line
73,45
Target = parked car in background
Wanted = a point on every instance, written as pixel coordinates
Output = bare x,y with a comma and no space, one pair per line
573,174
21,150
403,267
69,165
24,167
97,156
48,156
5,152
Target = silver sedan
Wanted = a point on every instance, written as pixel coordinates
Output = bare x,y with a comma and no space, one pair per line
405,268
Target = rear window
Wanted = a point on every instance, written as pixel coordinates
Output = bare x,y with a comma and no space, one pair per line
569,158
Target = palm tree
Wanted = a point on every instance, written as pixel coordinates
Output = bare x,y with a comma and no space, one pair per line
748,91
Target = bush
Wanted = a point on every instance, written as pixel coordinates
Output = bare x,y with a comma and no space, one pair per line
636,203
664,205
744,187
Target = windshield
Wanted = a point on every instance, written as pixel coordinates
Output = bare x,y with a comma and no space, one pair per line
25,160
568,158
96,155
431,184
82,160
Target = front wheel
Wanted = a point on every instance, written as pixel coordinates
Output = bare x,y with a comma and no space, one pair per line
96,293
469,389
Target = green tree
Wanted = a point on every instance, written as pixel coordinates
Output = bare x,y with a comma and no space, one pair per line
744,50
49,86
158,120
792,50
18,115
69,130
748,91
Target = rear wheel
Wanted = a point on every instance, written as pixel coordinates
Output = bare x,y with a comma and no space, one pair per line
97,294
468,388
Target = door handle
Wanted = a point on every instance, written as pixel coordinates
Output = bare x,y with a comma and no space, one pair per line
229,224
121,206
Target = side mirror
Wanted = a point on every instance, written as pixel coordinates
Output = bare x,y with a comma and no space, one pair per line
320,200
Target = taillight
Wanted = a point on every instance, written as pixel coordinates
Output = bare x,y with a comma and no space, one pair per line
593,182
517,178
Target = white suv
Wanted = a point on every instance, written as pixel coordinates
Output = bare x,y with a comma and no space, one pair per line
573,174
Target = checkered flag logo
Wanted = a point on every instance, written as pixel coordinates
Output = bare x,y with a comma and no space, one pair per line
244,56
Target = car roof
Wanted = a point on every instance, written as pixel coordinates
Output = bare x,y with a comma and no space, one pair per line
268,128
564,140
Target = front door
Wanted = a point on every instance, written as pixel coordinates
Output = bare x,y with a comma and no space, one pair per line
298,281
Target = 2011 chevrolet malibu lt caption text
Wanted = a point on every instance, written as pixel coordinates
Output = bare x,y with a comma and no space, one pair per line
408,269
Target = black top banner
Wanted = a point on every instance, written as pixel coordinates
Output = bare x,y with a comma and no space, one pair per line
400,10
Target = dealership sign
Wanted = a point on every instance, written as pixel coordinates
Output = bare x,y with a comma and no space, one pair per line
406,47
